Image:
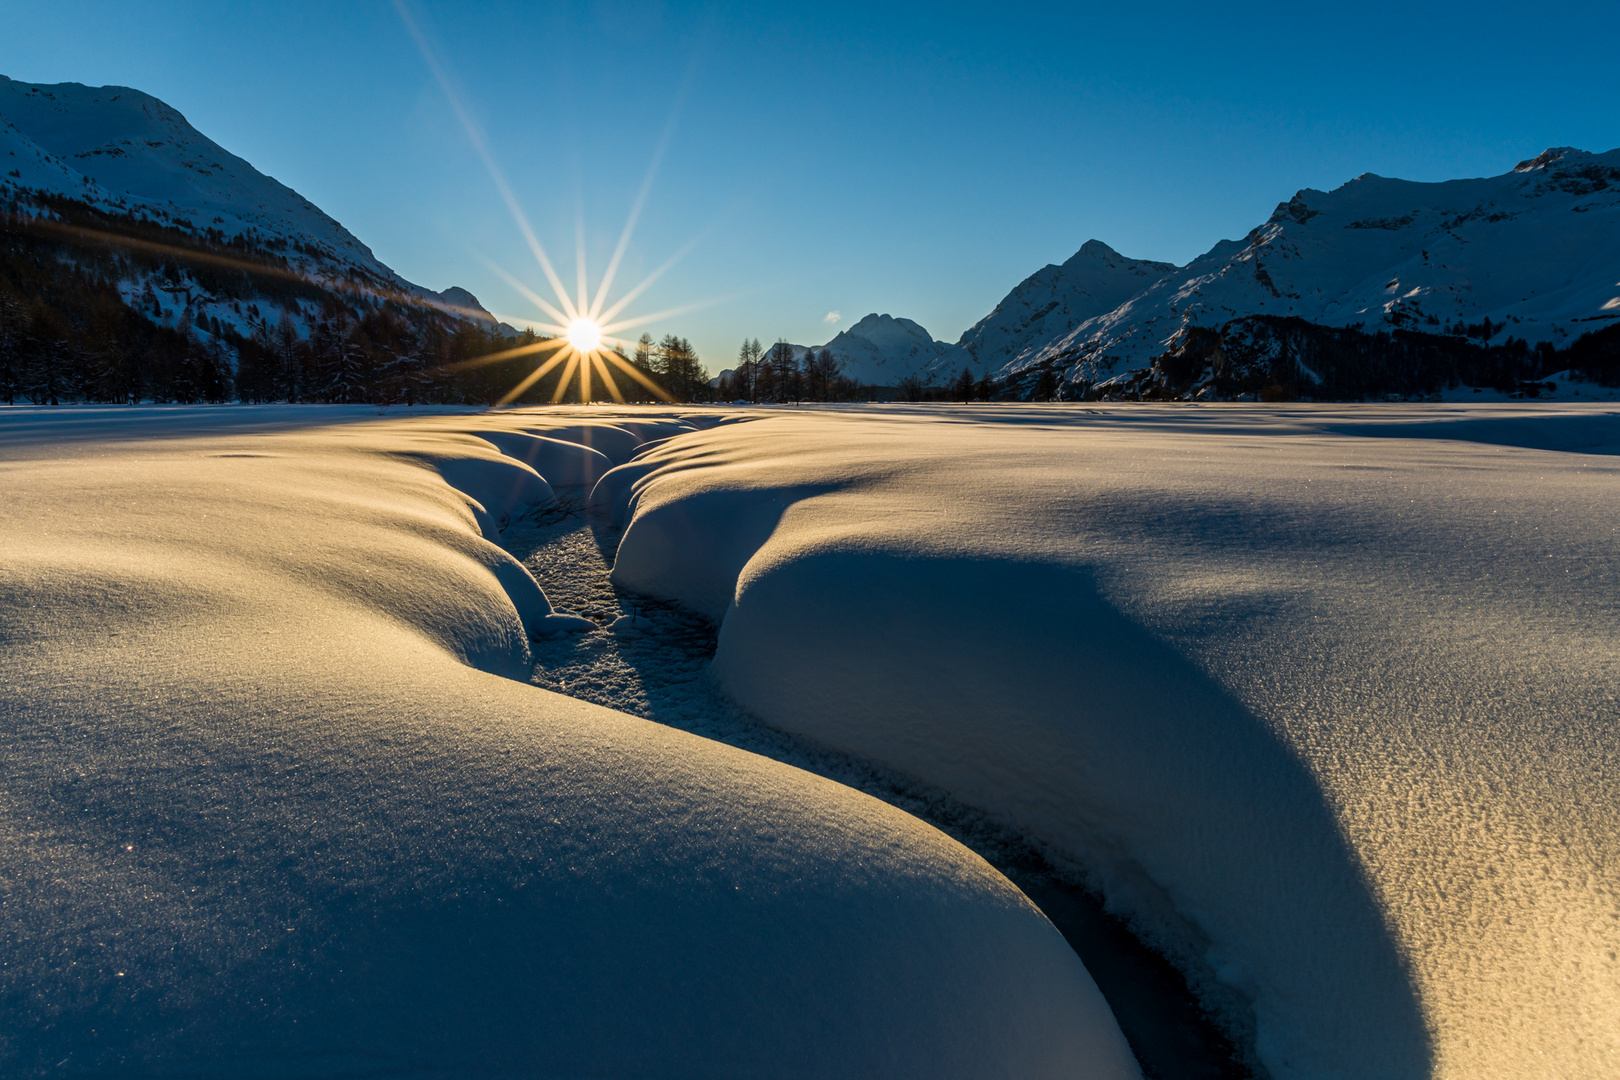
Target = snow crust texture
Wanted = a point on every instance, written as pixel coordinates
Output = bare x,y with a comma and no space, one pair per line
1324,697
276,801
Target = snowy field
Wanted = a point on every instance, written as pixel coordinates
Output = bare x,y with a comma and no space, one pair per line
277,800
1324,697
1320,700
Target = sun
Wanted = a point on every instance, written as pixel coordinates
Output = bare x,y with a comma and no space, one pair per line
584,335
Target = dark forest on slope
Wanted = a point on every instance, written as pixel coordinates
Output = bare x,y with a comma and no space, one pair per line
69,332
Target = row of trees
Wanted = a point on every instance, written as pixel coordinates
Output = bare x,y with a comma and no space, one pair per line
100,351
781,374
671,364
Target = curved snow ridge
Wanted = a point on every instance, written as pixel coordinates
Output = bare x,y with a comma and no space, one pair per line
258,811
500,486
1330,718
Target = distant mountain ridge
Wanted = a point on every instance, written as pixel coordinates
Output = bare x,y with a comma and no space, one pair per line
881,350
1532,255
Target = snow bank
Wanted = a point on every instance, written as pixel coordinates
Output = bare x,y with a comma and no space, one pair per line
559,461
268,808
1327,705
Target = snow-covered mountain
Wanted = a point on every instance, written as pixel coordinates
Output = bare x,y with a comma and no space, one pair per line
1049,304
1536,251
881,350
129,155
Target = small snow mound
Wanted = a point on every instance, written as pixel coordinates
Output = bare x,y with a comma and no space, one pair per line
630,624
563,622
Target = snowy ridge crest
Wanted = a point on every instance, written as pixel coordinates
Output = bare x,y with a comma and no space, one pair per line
1533,253
125,154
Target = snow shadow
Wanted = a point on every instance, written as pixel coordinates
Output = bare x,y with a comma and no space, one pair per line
661,672
1019,688
1578,433
40,431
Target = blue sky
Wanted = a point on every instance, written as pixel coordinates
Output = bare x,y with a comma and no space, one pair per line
918,160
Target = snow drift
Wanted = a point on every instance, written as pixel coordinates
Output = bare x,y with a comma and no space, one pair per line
268,807
1324,698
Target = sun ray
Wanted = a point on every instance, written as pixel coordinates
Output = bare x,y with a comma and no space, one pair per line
607,377
642,286
579,265
667,313
532,378
528,294
630,222
568,373
582,322
640,376
550,330
504,354
476,135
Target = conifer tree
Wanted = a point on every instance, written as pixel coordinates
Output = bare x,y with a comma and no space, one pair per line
964,386
45,371
825,370
13,331
289,361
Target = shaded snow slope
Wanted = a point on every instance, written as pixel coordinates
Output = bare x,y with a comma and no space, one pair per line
273,802
1048,304
126,148
1536,251
1325,698
123,151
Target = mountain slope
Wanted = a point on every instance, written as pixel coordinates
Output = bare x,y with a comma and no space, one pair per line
1050,303
1533,254
128,155
141,261
120,148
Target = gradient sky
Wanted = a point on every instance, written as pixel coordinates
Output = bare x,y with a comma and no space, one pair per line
918,160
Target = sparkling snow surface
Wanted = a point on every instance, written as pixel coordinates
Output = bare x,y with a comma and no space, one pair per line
1324,697
275,800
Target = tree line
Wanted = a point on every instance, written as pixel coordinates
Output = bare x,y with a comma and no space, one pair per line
1286,358
783,373
780,374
